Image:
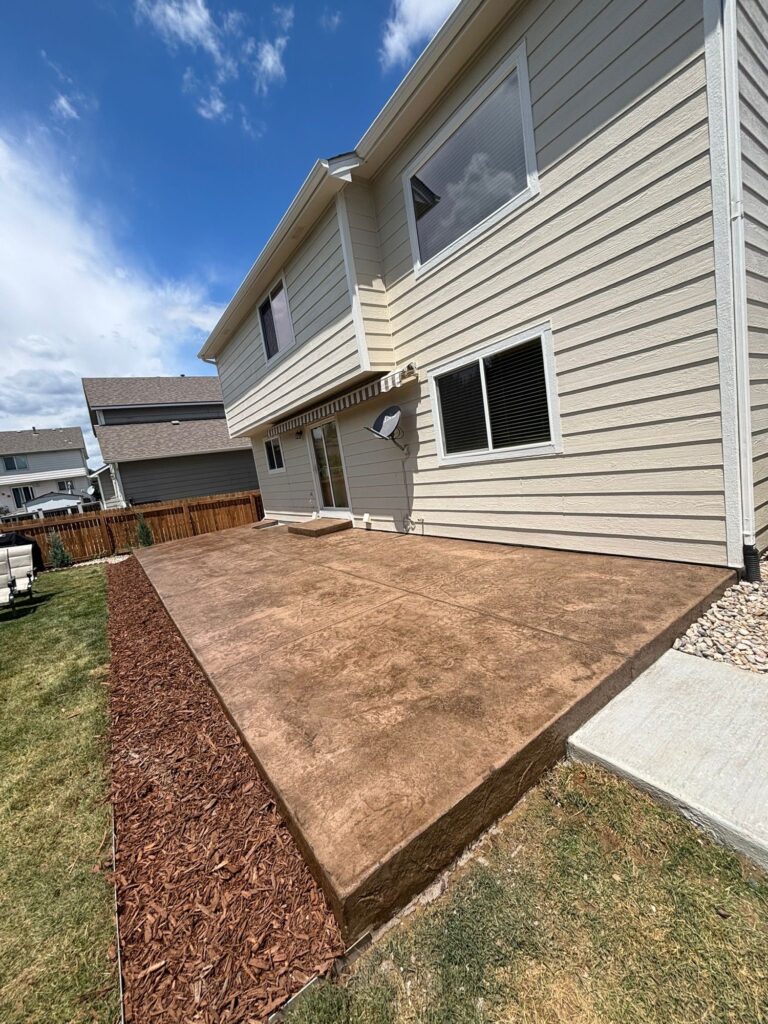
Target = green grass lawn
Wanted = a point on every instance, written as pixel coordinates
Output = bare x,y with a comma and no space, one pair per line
590,904
56,910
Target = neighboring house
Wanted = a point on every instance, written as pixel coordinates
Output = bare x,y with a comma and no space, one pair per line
551,250
164,438
36,463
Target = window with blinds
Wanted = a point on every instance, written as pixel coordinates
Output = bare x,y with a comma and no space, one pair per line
479,166
275,319
274,455
498,401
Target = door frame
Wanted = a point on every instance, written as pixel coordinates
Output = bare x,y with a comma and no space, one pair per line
329,513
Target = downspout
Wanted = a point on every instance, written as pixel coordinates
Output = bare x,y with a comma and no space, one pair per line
721,57
738,258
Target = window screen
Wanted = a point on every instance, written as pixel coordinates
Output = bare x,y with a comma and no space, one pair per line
15,462
479,169
276,321
515,411
516,387
462,409
274,454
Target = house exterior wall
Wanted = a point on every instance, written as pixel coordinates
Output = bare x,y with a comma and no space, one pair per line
617,254
44,471
187,476
162,413
367,271
752,23
325,354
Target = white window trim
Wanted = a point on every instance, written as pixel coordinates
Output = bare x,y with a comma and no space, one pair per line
271,360
271,441
527,451
337,511
516,59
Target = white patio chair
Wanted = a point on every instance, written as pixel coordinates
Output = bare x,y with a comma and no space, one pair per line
6,581
21,569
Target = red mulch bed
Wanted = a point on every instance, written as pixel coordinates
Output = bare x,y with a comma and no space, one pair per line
220,919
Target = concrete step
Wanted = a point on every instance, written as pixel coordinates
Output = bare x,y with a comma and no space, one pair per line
692,733
320,527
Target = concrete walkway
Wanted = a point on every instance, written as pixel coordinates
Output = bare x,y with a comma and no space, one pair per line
694,734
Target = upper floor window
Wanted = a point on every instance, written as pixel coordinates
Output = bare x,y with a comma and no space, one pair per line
500,402
479,167
15,462
275,320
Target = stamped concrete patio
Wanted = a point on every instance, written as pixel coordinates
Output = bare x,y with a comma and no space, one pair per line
398,692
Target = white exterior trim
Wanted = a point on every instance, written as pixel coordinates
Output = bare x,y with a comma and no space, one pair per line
737,489
335,512
515,60
347,253
273,441
738,249
552,447
19,477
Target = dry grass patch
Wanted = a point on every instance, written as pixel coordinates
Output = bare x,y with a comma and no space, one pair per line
590,904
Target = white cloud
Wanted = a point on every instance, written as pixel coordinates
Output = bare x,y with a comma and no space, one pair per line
283,17
268,67
212,107
73,305
64,108
330,20
411,24
186,22
190,23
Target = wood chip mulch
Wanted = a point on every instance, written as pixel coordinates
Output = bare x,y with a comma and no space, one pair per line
220,919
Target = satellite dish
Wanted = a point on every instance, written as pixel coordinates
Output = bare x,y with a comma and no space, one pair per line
91,489
386,423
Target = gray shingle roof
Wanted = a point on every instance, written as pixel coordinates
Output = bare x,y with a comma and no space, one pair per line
131,442
106,392
54,439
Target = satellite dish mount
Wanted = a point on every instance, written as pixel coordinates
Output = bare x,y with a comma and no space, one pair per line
387,426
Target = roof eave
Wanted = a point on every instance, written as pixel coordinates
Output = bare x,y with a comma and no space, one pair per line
318,189
473,21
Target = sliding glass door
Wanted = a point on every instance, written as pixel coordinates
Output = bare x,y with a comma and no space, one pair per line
329,467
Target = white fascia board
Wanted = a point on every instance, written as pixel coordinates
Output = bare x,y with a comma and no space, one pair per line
23,478
317,186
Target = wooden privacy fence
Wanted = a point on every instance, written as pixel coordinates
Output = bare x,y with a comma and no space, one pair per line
108,532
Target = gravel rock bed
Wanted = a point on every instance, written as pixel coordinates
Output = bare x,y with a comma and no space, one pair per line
734,629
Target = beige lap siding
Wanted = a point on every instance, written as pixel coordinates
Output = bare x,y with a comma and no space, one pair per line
617,251
753,89
325,353
288,496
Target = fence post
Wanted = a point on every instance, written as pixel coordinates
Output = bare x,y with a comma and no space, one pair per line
254,510
106,534
188,517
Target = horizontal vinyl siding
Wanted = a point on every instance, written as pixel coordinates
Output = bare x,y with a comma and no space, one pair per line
325,354
188,476
290,495
364,236
753,87
617,253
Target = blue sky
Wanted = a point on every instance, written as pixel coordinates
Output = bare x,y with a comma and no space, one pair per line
147,149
